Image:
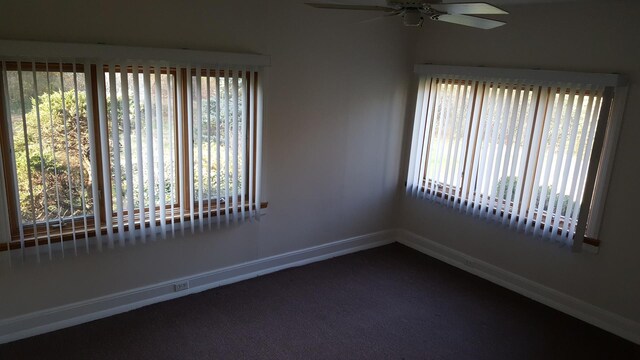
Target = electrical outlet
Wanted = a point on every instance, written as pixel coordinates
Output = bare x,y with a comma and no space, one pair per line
181,286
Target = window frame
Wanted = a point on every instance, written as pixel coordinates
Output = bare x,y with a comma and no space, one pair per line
601,159
32,232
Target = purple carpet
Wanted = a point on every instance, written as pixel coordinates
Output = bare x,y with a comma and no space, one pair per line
386,303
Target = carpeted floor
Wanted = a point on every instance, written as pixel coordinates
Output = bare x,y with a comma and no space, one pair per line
390,302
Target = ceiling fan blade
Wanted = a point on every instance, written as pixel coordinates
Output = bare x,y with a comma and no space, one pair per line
350,7
468,8
395,13
472,21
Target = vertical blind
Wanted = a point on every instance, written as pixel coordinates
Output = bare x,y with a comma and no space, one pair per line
512,150
104,154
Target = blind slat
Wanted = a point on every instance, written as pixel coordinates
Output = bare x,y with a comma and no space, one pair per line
55,169
83,199
259,104
93,146
106,195
451,121
181,164
440,124
461,140
234,150
243,146
115,152
142,214
172,135
148,124
160,151
227,146
209,193
251,99
428,130
190,161
417,123
425,122
218,145
31,191
199,162
128,156
68,158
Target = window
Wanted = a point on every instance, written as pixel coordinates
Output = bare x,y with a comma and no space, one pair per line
97,152
519,147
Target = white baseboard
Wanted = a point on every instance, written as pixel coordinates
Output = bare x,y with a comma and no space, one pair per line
567,304
77,313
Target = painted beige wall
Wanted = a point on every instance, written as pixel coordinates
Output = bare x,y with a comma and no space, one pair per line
593,37
334,110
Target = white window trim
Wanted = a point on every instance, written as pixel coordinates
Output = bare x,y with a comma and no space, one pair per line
109,53
600,79
606,161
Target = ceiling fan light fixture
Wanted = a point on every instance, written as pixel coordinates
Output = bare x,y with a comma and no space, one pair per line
412,18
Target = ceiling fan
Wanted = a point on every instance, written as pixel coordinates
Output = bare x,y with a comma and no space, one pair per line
413,12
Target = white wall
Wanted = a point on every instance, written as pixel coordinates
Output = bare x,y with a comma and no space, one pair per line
334,112
335,105
593,37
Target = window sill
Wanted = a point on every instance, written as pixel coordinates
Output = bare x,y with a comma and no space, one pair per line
68,232
501,214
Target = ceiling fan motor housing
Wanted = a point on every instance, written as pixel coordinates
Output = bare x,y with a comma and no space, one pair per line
411,4
412,17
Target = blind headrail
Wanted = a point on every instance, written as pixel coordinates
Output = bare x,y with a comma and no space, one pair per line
73,52
534,75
